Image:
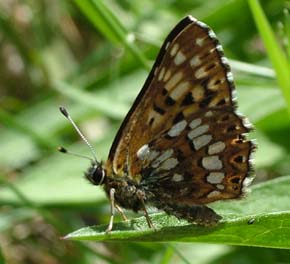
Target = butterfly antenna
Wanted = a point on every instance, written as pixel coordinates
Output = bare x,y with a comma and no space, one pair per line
67,115
64,150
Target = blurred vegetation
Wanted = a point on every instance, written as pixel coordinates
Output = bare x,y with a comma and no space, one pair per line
93,57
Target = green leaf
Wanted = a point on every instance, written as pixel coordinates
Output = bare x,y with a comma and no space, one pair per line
262,219
2,260
268,153
274,51
267,102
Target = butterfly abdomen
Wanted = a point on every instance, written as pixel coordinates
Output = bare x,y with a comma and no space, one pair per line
198,214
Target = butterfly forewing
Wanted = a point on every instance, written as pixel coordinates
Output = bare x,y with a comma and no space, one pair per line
182,139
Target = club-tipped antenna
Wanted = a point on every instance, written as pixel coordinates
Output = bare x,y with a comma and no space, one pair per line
64,150
68,117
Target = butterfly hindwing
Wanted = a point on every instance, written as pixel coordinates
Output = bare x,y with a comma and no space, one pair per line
193,164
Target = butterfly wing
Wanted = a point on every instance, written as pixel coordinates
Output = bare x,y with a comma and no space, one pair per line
190,77
201,159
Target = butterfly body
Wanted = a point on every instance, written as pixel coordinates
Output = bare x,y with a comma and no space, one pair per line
182,145
134,196
127,193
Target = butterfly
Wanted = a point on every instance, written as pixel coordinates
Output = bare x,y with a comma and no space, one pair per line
182,144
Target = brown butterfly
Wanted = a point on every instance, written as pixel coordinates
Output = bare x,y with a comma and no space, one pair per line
182,144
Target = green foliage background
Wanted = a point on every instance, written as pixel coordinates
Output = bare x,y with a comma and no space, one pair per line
93,57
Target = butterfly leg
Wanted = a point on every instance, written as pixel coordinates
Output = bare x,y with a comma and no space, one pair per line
120,210
140,195
199,214
112,201
148,219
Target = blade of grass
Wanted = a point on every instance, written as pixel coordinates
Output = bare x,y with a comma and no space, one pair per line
10,33
2,260
90,12
275,53
127,38
252,69
287,31
108,24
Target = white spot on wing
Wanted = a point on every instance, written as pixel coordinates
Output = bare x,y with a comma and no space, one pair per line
215,177
168,164
164,156
195,61
234,95
177,128
158,118
179,58
216,147
219,48
152,155
213,194
230,77
167,45
193,19
247,181
179,90
198,92
161,74
208,114
201,141
174,49
201,24
177,177
200,73
199,41
167,75
214,85
143,152
224,60
211,34
198,131
155,71
212,163
220,186
194,123
173,80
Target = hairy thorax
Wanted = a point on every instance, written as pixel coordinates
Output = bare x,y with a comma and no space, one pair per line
127,194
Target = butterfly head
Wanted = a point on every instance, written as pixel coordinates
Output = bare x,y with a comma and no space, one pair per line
96,174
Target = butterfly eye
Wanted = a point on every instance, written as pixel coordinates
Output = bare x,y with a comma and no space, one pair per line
96,174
